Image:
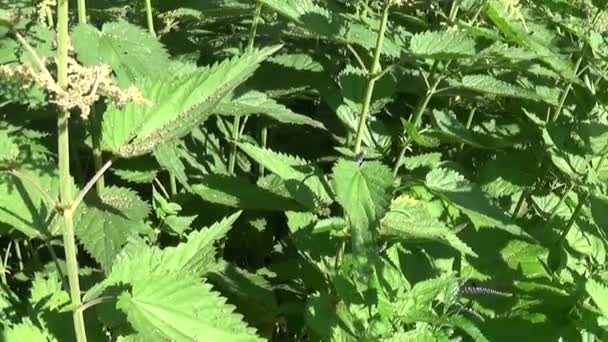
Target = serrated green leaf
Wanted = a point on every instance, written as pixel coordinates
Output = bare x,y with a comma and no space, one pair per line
342,28
599,294
251,293
239,193
178,307
304,182
442,45
363,191
514,30
450,128
409,219
197,254
255,102
47,292
469,198
489,85
22,206
128,49
105,225
179,104
429,160
9,151
26,331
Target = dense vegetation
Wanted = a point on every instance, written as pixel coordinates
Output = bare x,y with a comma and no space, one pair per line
303,170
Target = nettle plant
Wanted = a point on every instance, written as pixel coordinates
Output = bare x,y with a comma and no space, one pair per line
300,170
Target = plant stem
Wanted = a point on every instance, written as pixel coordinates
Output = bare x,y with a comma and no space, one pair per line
96,178
520,203
566,92
264,143
237,119
420,108
560,202
82,12
97,152
373,70
172,185
5,263
69,240
469,122
574,216
149,17
19,255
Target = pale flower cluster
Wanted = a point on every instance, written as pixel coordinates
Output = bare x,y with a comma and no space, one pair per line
86,85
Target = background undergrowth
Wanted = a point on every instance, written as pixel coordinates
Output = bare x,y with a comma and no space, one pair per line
303,170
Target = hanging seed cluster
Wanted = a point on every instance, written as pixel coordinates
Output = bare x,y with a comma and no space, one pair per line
86,86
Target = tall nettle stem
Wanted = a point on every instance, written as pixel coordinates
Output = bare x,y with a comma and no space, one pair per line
374,70
69,240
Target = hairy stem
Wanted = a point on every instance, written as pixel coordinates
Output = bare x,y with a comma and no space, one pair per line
149,18
566,92
560,202
82,12
574,216
237,120
520,203
373,70
5,263
69,240
264,144
417,118
19,255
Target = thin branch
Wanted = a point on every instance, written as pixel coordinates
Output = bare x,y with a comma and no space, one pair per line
37,59
90,185
357,57
92,303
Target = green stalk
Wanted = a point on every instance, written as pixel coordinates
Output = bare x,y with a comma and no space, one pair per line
520,203
566,92
19,255
97,152
560,202
373,71
172,185
574,216
65,191
420,108
149,18
237,120
82,12
264,143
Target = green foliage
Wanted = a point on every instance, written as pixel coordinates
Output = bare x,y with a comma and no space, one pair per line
178,105
364,194
443,182
105,225
442,45
179,308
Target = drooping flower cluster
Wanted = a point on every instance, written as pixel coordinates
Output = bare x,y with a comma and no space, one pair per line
86,86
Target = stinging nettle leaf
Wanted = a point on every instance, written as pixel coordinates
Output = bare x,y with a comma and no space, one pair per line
469,198
239,193
255,102
128,49
409,219
489,85
179,308
179,104
304,181
442,45
364,193
105,225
